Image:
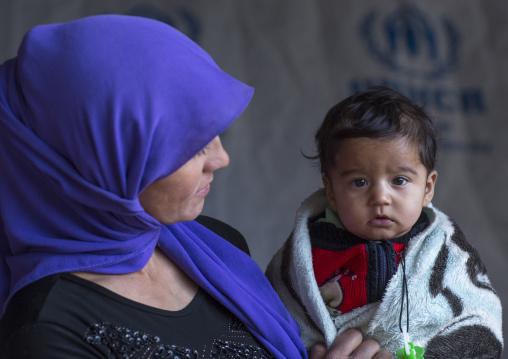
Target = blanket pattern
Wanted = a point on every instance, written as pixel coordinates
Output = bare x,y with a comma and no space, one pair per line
454,312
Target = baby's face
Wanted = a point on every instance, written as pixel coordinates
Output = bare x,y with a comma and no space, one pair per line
378,187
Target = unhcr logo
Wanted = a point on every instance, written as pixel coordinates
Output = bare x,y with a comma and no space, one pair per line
406,42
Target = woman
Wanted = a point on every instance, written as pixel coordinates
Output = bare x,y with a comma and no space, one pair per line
109,138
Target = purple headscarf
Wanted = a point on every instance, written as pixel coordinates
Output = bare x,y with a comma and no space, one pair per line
91,112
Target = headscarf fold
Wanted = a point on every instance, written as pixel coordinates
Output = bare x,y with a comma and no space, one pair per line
93,111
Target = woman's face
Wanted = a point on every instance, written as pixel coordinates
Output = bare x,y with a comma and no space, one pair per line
180,196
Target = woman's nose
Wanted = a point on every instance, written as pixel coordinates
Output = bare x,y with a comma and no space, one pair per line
218,157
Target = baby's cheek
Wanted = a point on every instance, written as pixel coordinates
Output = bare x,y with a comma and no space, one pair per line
350,218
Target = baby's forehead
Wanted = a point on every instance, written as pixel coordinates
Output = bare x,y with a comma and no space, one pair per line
362,150
390,144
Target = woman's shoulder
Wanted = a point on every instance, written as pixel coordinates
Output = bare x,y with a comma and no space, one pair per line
225,231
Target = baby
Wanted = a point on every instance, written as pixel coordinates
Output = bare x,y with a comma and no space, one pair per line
369,251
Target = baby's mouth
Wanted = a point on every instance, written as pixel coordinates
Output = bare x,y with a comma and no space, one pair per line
381,221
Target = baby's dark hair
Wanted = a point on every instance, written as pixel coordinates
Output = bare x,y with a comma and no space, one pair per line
378,112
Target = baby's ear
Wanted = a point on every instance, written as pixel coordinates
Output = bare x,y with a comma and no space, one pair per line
429,187
330,196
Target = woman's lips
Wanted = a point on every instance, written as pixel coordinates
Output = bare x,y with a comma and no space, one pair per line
204,191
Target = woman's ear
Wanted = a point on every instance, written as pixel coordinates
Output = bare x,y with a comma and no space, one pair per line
429,188
330,196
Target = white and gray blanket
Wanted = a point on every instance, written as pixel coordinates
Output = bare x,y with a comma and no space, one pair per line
454,312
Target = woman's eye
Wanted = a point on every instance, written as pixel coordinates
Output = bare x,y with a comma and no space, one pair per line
203,151
399,181
359,183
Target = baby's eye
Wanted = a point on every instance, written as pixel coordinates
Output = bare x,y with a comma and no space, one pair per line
399,181
359,182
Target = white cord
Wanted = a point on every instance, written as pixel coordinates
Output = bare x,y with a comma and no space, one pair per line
406,341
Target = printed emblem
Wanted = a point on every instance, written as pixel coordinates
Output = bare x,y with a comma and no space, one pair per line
409,43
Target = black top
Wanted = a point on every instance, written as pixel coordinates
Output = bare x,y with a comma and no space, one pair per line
64,316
